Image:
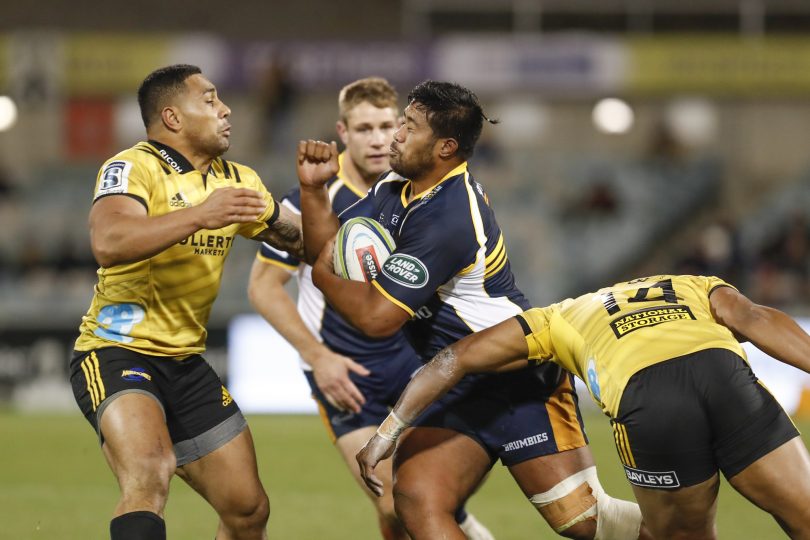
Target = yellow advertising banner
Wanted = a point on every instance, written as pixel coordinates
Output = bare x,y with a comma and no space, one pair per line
721,65
103,64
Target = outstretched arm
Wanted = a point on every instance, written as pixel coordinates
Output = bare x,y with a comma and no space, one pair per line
771,330
317,163
270,299
500,347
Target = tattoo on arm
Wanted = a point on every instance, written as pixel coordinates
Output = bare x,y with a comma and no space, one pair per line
286,236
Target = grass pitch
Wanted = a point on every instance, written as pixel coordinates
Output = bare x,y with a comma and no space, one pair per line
54,484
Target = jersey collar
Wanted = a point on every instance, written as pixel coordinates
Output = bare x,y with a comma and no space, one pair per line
461,169
346,182
172,157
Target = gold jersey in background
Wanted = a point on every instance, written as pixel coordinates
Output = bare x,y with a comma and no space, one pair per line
160,306
607,336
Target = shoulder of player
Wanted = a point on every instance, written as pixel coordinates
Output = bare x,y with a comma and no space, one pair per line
448,203
389,182
236,172
138,156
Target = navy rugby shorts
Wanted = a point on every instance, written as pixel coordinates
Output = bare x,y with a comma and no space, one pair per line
200,414
381,388
514,416
682,420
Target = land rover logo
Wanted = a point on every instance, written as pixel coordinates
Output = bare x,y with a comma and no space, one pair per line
406,270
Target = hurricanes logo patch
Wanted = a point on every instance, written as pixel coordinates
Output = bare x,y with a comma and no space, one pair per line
406,270
226,397
135,374
644,318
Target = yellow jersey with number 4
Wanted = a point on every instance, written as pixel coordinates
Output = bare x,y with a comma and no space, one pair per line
607,336
160,306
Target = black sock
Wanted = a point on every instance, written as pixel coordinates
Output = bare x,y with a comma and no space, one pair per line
138,526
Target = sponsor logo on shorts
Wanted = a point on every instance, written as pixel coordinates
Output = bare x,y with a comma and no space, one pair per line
342,418
528,441
135,374
406,270
644,318
661,480
226,397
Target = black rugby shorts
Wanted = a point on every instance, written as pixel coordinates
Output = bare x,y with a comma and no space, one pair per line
682,420
201,415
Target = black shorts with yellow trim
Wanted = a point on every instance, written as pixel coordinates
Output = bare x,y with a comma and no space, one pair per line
682,420
201,415
515,416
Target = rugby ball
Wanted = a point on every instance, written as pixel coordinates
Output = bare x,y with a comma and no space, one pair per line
361,247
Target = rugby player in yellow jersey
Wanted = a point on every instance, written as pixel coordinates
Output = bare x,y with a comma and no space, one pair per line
164,217
661,356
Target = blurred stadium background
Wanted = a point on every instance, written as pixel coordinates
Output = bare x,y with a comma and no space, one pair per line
636,137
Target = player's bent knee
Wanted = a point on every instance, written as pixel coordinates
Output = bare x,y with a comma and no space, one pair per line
248,514
579,498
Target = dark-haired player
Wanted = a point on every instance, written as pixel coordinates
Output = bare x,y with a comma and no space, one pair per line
449,277
661,357
354,379
164,217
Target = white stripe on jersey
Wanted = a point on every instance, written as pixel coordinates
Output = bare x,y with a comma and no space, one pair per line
311,305
466,293
390,177
311,302
291,206
473,305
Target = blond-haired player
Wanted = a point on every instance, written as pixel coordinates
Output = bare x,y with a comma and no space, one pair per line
354,379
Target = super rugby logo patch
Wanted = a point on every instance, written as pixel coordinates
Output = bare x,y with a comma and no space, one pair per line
114,178
406,270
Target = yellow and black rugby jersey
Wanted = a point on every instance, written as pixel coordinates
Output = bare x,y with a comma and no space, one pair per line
607,336
160,305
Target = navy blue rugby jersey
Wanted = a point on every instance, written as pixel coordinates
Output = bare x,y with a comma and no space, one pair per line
321,319
450,270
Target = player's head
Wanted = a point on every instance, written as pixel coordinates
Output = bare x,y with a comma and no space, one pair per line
442,121
179,102
368,118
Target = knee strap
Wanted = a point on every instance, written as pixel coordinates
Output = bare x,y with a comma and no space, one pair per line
580,497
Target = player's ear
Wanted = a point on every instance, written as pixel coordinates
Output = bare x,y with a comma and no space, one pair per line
170,117
447,148
342,131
